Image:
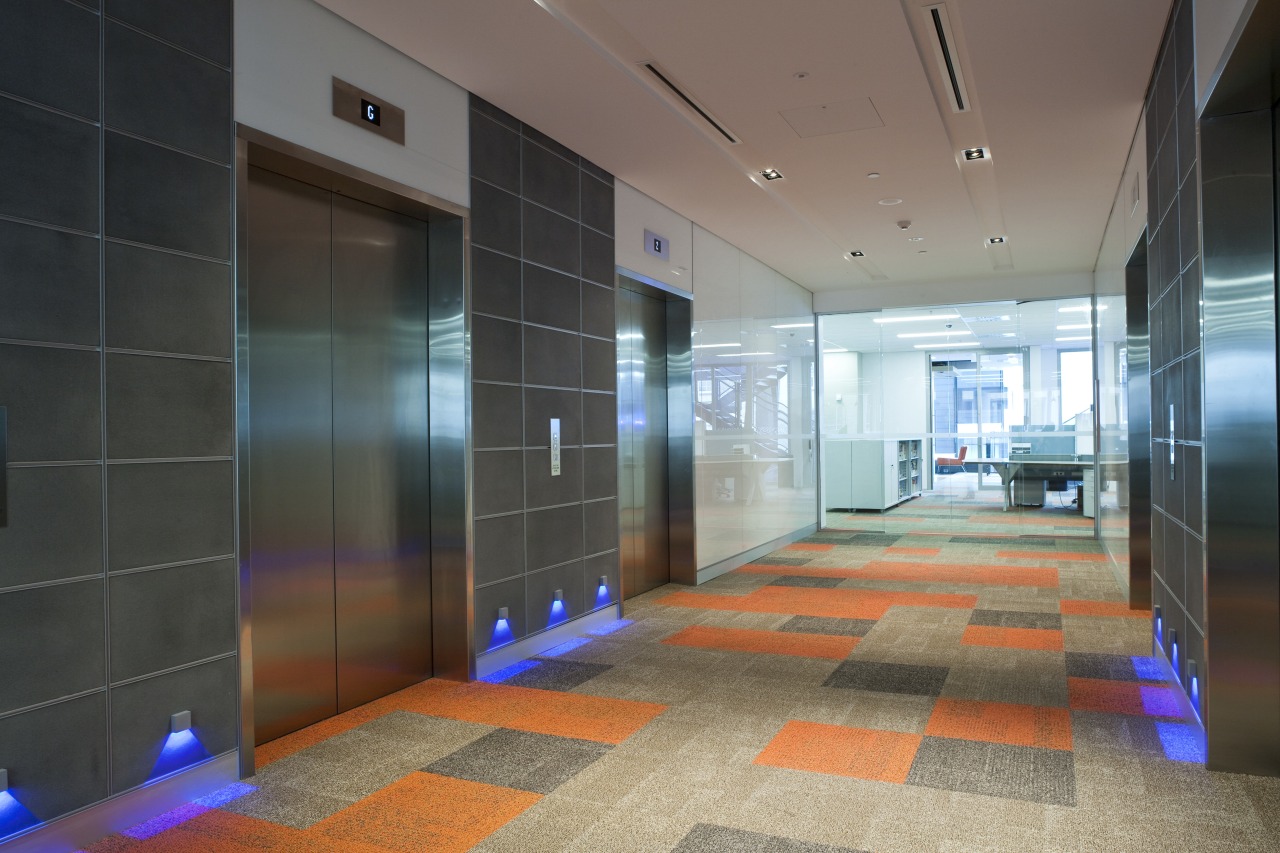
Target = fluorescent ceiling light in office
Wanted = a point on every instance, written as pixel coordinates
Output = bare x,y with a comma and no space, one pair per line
714,346
946,334
739,354
837,349
792,326
1081,308
941,345
1074,327
1073,338
914,318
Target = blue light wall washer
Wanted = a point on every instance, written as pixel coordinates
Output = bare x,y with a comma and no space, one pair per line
180,722
4,779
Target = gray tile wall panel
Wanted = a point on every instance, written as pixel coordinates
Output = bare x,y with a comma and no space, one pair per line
542,489
496,419
543,404
595,171
499,481
58,754
200,26
602,564
597,257
55,524
165,408
495,350
599,418
54,401
50,167
508,594
1193,548
495,283
499,548
551,298
161,302
49,288
495,218
495,154
156,91
49,54
149,198
550,180
550,239
168,512
140,714
599,365
599,472
540,590
54,639
553,536
600,520
502,117
597,203
553,358
599,310
550,144
168,617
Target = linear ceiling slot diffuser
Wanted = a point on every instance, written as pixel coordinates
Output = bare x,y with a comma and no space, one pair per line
701,111
948,61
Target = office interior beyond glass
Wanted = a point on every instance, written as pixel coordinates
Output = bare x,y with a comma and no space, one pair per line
974,419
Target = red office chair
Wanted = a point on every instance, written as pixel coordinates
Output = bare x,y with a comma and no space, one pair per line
950,464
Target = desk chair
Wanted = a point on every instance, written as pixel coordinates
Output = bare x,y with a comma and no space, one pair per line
950,464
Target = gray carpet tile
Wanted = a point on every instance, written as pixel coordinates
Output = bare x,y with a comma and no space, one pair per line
996,770
800,580
1089,665
556,674
829,536
524,760
876,540
828,625
782,561
1016,619
709,838
888,677
1007,541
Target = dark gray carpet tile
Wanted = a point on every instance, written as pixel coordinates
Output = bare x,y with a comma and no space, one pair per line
827,539
709,838
828,625
1016,619
781,561
1006,541
996,770
888,678
800,580
555,674
1088,665
876,540
524,760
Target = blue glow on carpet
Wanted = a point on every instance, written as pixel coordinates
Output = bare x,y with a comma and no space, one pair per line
163,823
222,796
1147,668
510,671
610,627
565,647
14,816
1182,742
501,634
181,749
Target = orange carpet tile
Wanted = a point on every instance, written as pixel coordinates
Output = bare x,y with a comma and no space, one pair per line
1022,518
889,570
842,751
767,642
1120,697
808,546
802,601
1077,607
424,811
913,552
1035,639
1052,555
548,712
999,722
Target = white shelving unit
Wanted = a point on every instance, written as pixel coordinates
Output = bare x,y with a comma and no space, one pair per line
872,474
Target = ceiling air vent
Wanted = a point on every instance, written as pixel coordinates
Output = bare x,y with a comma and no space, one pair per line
948,61
688,100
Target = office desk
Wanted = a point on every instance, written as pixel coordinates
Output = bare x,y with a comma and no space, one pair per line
1014,468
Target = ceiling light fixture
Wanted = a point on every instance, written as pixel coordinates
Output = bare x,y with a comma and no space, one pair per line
837,349
873,175
940,346
975,153
1082,308
1073,338
771,174
889,202
946,334
914,317
792,326
740,354
914,239
714,346
994,241
1074,327
855,253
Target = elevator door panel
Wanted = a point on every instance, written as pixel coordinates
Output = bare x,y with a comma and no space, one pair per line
380,439
291,462
643,492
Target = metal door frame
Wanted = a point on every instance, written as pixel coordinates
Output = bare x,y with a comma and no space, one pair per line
449,398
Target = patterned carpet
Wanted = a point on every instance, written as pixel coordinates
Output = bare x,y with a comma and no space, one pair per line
871,691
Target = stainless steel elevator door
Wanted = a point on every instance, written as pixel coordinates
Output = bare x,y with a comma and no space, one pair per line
642,442
338,539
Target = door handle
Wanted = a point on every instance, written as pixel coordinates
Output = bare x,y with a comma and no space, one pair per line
4,467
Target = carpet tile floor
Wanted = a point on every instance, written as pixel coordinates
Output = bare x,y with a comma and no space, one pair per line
885,690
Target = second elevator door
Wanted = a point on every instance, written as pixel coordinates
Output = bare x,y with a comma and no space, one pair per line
642,442
338,533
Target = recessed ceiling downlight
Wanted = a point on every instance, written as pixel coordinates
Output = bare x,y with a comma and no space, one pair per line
994,241
855,253
771,174
975,153
889,202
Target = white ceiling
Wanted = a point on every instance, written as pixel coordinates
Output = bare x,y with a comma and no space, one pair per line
1056,88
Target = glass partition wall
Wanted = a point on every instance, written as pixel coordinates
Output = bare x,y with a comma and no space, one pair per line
966,419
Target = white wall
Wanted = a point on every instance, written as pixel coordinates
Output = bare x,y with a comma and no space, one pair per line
634,213
286,54
905,295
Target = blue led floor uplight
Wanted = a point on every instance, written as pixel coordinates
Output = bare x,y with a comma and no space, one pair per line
602,595
14,816
565,647
181,749
558,613
1182,742
501,675
1147,668
501,633
609,627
